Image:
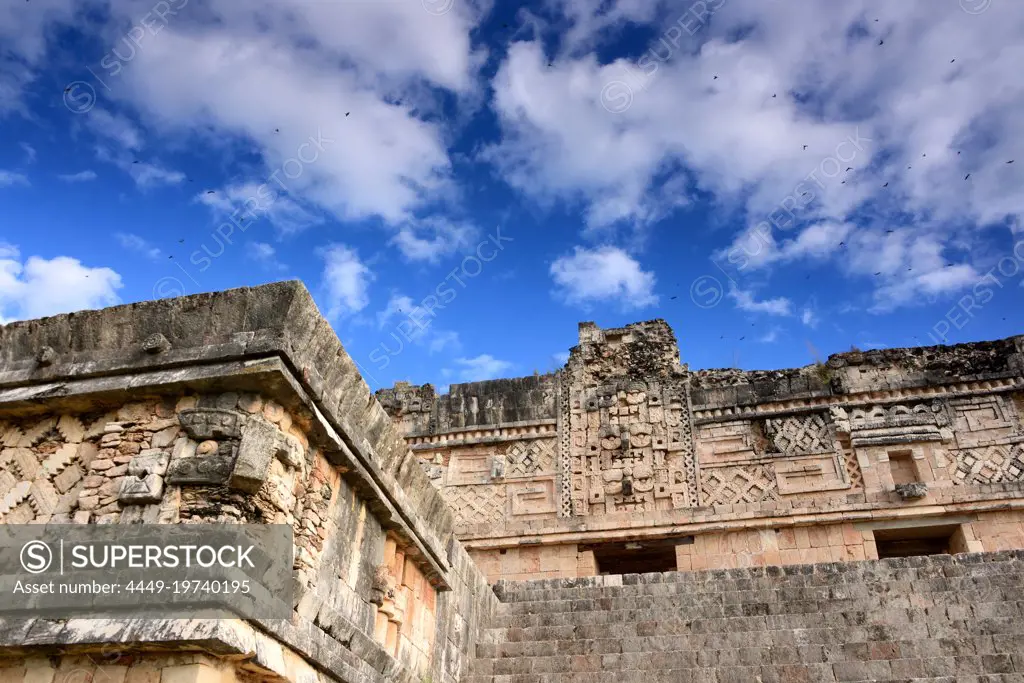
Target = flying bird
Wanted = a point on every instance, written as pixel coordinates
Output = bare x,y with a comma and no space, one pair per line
889,232
886,185
842,244
881,42
1010,161
673,298
958,152
952,60
715,78
181,241
848,169
210,192
277,130
967,176
742,338
805,146
347,113
878,273
843,183
135,162
774,95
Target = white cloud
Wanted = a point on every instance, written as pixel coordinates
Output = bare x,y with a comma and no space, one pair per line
30,152
80,177
745,301
115,128
414,323
603,274
771,336
482,367
254,201
808,317
265,255
138,245
431,238
877,109
147,175
40,287
444,339
346,281
8,178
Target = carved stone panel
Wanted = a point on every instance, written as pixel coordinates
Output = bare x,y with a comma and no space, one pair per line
631,449
977,421
810,475
535,497
799,434
235,449
725,442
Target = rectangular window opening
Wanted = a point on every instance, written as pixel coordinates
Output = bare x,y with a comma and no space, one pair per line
637,557
915,541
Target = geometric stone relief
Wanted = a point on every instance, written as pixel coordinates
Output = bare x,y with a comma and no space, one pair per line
477,504
988,464
981,420
810,475
631,449
475,467
725,442
527,458
738,484
532,498
799,435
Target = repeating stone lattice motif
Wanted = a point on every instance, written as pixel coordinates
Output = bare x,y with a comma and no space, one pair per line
477,504
988,465
800,435
526,459
743,484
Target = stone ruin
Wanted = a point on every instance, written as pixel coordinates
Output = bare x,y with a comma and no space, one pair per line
625,518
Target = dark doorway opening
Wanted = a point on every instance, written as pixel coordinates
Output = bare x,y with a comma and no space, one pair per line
637,557
909,542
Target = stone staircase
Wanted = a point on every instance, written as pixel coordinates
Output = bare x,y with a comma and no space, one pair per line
934,618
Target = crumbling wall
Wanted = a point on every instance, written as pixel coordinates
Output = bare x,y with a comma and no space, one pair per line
208,409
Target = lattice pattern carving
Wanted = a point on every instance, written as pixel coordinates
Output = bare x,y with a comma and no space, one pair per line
477,504
853,472
740,484
565,478
799,435
988,465
527,458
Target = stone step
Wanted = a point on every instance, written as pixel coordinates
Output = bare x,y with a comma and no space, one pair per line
960,668
937,567
703,632
992,602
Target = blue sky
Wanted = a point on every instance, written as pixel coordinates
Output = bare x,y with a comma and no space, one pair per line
459,183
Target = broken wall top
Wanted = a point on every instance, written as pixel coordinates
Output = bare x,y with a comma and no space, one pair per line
227,341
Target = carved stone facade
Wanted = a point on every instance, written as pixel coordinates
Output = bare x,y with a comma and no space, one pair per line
637,440
230,408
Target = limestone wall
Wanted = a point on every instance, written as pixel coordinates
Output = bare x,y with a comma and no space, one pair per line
641,447
210,409
938,618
